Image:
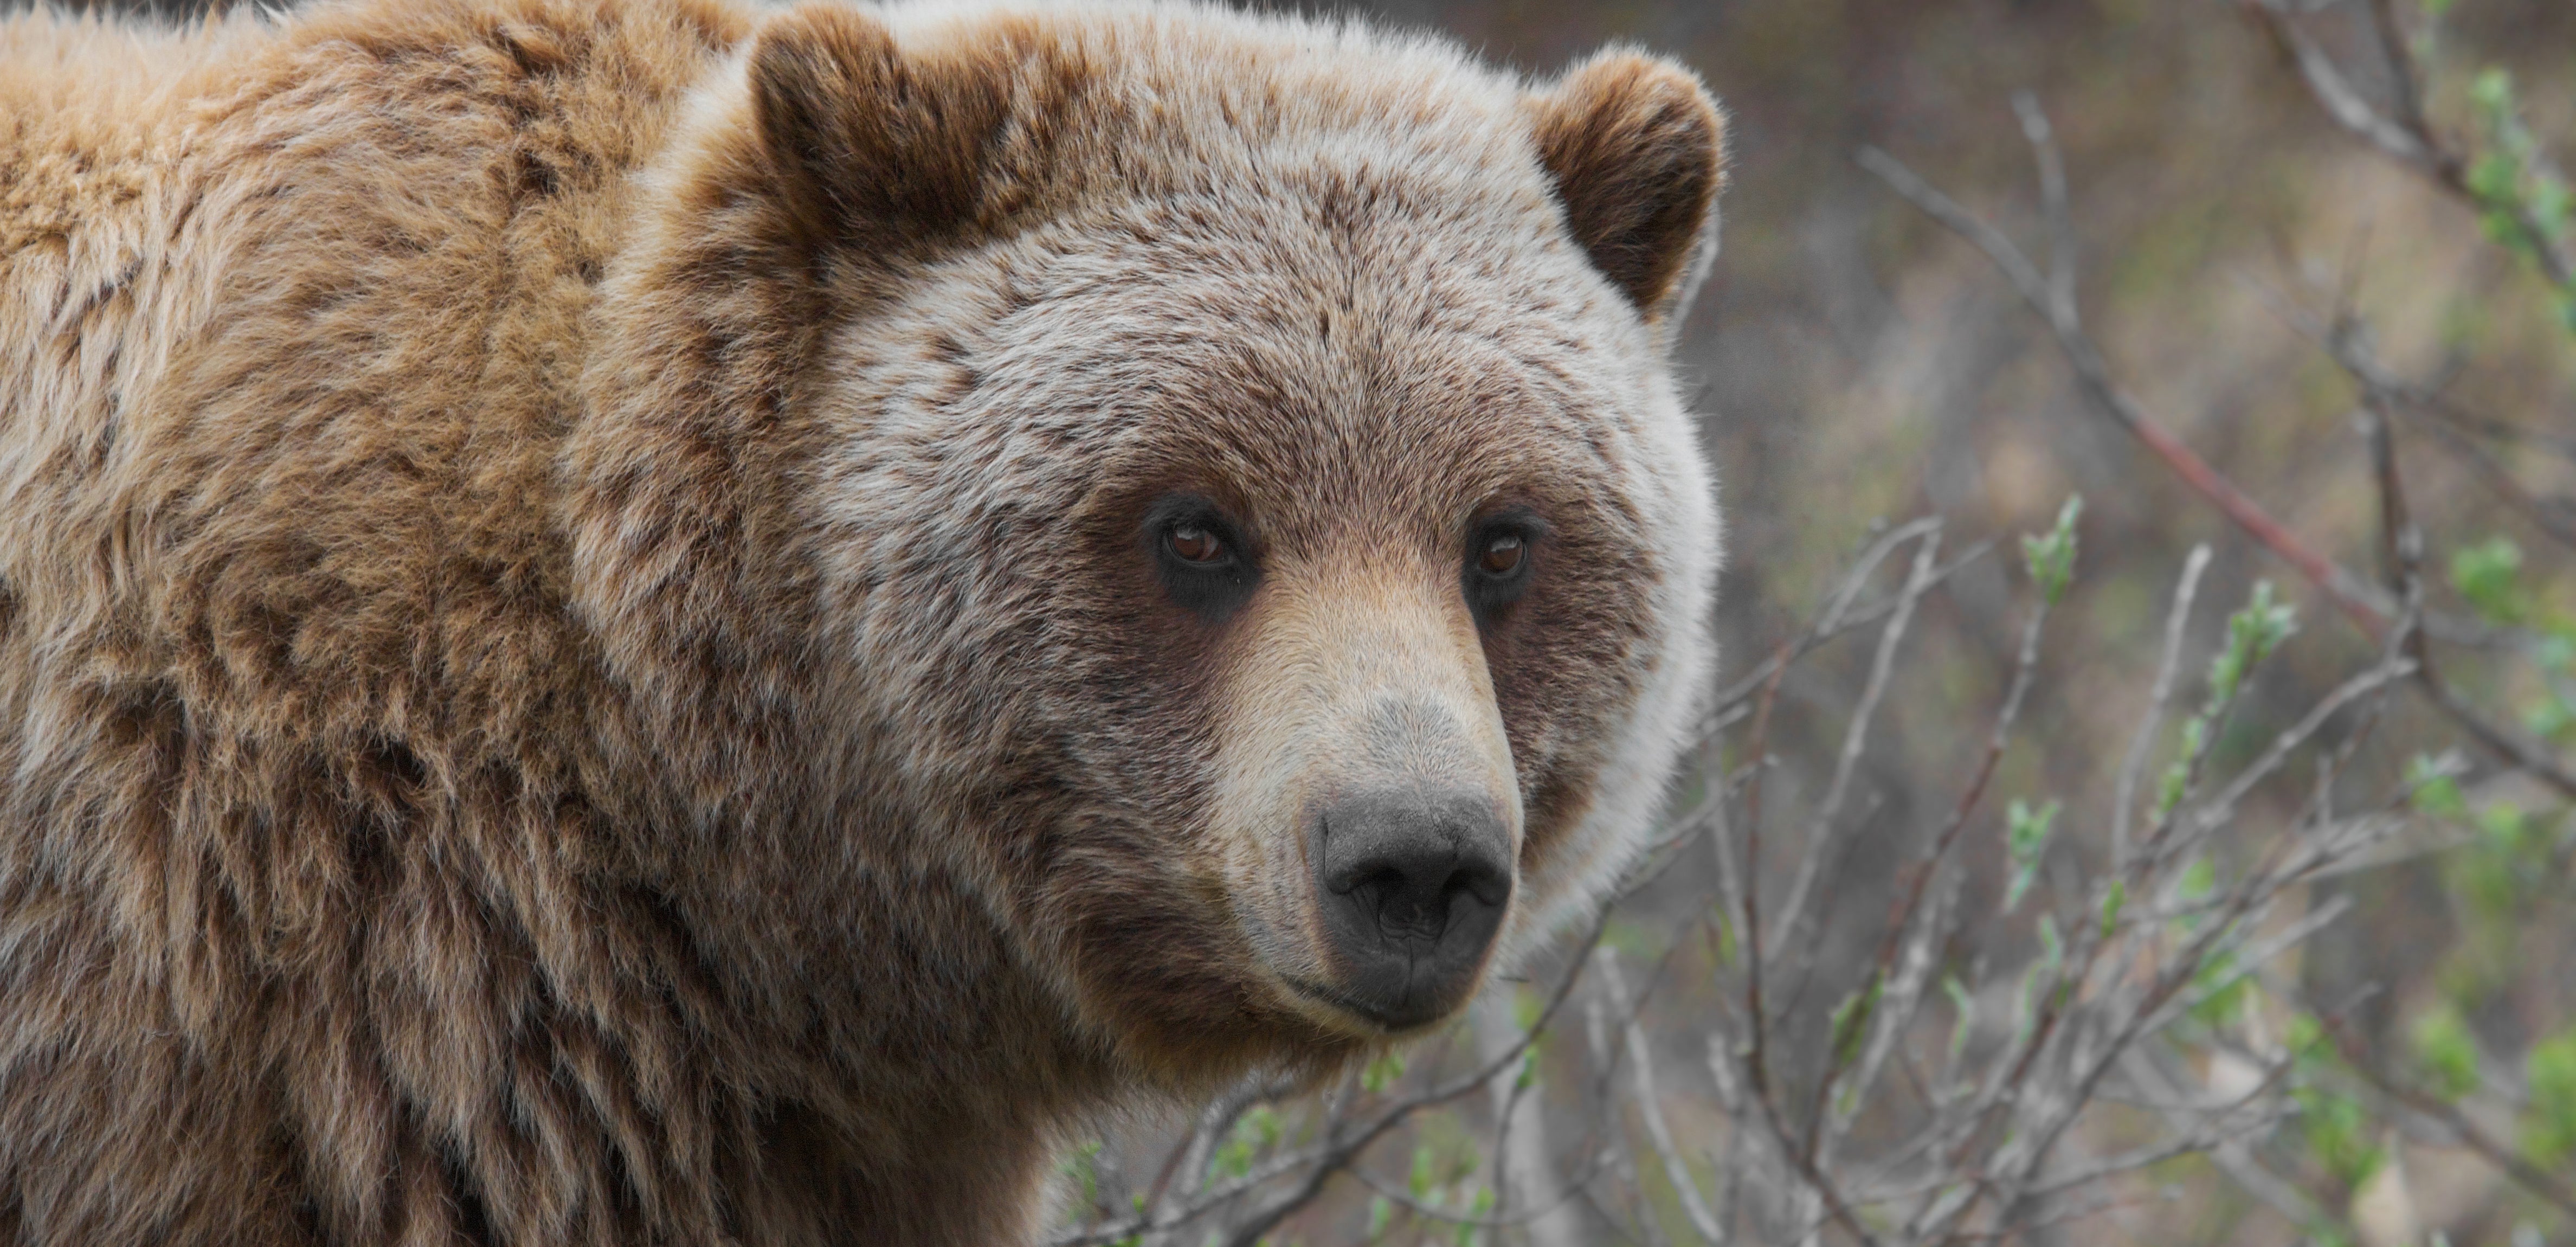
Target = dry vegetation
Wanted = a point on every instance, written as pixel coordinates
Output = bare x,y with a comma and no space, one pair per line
2189,865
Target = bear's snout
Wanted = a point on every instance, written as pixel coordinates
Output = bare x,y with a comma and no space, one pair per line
1413,886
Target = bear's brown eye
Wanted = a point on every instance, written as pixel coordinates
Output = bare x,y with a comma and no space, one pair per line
1501,560
1193,544
1205,562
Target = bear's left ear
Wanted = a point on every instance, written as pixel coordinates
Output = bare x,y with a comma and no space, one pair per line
1637,149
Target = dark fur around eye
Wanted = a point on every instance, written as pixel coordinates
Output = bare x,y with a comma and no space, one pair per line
1213,588
1489,591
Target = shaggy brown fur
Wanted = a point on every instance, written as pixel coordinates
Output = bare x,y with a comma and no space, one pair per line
576,659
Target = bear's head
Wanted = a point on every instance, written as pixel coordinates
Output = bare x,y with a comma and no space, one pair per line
1207,488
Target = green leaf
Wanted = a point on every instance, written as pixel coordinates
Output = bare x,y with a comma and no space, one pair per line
1478,1209
1964,1006
2505,829
2052,955
2306,1041
1851,1022
1382,1073
2492,90
2253,632
2551,717
2112,902
1725,938
2171,786
2547,203
1255,1133
2199,880
2050,556
2549,1123
2025,840
1425,1174
2445,1052
1381,1211
1527,1008
2489,578
2434,793
1233,1159
2175,784
1083,1167
2222,991
2339,1134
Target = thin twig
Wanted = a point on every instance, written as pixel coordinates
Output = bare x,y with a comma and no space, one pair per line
2053,210
1839,615
2124,794
2222,808
1650,1107
1820,828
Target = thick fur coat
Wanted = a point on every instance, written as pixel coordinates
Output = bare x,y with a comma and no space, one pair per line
582,650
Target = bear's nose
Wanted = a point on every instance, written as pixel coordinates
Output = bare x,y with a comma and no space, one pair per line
1414,885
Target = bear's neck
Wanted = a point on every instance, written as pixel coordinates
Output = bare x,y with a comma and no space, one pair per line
429,539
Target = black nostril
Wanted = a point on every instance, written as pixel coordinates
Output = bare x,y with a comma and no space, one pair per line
1414,891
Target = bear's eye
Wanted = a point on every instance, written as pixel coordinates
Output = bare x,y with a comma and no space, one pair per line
1499,559
1201,556
1192,543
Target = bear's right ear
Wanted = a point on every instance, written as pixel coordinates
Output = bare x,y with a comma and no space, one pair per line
864,141
1637,150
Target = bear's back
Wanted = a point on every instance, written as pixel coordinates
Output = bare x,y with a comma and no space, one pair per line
291,340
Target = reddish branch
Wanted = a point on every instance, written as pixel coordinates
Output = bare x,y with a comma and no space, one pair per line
2093,376
2049,295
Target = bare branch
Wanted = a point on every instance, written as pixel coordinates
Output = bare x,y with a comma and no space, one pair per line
2344,103
2222,808
2124,794
1838,616
2054,212
1650,1107
1820,828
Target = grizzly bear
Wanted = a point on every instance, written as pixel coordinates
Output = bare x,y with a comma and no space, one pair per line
653,621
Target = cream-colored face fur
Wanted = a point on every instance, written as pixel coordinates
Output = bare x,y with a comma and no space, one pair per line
1347,679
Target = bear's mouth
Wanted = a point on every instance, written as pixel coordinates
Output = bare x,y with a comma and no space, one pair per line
1375,1015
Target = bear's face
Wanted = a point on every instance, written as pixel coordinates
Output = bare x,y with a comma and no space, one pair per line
1251,510
1344,553
1340,533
